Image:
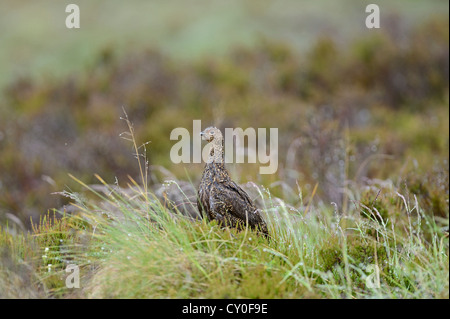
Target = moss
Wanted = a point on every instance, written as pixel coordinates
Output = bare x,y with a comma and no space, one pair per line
431,190
378,208
255,283
360,251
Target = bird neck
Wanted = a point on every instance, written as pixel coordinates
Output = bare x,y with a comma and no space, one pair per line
216,155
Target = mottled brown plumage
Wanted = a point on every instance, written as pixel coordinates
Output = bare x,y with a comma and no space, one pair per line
219,197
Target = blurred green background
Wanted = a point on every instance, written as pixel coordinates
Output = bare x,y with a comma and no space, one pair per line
35,41
353,105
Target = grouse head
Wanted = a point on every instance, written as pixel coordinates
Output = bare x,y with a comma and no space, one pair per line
211,133
214,136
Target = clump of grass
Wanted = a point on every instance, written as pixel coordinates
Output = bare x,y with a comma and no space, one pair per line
150,252
17,278
59,239
33,263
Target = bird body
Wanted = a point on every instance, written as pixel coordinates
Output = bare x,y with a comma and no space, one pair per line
219,197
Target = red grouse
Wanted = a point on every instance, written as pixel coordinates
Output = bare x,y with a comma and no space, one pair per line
222,199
